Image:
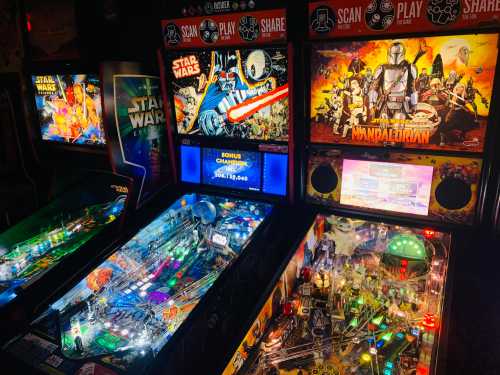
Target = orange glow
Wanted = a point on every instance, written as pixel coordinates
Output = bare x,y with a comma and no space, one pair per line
483,57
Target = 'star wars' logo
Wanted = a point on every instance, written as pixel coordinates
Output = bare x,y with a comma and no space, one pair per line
146,111
119,188
186,66
45,85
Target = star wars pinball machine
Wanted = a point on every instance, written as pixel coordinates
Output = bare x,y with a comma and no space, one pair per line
86,206
396,163
230,135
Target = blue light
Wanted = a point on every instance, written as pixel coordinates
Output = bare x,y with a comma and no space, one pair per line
415,331
275,173
389,364
234,169
190,164
399,335
387,371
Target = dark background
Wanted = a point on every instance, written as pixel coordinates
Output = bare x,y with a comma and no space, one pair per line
130,30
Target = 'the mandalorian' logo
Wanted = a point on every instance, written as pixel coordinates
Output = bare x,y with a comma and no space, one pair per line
443,12
379,14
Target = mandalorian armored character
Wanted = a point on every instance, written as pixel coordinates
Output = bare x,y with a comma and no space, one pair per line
226,90
470,96
392,93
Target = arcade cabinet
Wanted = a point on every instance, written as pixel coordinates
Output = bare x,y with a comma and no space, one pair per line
84,215
394,165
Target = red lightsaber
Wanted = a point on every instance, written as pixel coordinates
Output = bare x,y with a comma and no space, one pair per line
247,108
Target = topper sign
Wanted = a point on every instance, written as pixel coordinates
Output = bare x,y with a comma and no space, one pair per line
369,17
229,29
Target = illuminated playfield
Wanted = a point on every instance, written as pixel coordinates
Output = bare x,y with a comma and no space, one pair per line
367,299
138,297
22,261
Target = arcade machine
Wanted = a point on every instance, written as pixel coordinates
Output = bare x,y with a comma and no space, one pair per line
233,134
42,251
397,132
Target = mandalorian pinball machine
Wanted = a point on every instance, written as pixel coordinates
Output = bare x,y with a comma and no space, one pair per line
398,112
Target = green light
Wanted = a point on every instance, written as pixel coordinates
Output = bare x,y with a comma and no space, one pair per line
108,341
387,336
377,320
360,300
171,283
354,322
407,246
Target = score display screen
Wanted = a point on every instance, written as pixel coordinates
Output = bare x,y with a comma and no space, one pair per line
235,169
69,108
404,188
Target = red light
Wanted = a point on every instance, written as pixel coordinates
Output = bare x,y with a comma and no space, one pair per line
287,309
306,273
421,370
429,233
404,262
28,22
429,321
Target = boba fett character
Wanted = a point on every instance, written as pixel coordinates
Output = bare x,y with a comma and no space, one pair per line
392,93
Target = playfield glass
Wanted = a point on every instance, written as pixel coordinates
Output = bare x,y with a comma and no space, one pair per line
357,297
139,296
35,245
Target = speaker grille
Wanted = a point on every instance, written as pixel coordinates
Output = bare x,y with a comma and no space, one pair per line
453,193
324,179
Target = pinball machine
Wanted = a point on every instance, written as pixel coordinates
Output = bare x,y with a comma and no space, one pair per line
87,206
397,156
230,137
